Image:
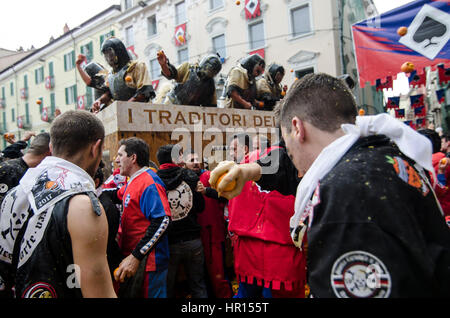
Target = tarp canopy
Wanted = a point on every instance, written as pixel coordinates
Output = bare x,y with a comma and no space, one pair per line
381,51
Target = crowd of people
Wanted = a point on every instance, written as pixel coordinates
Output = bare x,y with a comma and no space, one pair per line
357,206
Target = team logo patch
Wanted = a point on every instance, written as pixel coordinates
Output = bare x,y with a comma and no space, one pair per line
40,290
127,200
359,274
408,174
180,201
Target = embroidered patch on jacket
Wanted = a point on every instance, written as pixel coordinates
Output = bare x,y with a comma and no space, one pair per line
359,274
408,174
180,201
40,290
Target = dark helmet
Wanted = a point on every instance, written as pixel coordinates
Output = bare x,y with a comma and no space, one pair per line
274,69
251,61
209,66
115,53
93,68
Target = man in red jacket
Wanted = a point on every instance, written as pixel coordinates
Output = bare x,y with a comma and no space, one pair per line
266,261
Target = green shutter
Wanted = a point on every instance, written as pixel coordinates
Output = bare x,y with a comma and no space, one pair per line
75,95
91,51
4,122
25,81
102,38
67,95
73,59
13,115
41,106
52,104
27,113
3,92
50,69
11,88
65,62
89,100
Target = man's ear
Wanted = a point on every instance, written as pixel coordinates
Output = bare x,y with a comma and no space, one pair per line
96,147
298,128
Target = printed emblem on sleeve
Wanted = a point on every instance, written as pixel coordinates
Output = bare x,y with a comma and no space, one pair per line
40,290
359,274
180,201
127,200
408,174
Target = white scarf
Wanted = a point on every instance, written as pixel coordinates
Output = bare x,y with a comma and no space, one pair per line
411,143
40,188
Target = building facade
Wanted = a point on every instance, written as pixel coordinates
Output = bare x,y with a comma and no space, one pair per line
46,81
304,36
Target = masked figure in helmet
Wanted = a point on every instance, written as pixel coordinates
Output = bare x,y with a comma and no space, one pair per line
268,88
240,88
93,75
128,80
194,83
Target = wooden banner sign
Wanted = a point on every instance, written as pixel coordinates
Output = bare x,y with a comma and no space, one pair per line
143,117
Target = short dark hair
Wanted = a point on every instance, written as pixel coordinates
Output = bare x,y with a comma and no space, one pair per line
137,146
164,153
74,130
247,141
40,144
433,136
321,100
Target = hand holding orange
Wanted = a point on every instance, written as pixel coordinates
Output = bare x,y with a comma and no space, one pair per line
229,187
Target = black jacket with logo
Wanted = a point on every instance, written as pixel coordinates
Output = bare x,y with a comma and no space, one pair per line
377,230
186,228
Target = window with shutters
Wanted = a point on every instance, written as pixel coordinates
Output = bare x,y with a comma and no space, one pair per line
219,45
41,105
69,61
180,13
39,75
155,69
89,97
215,4
256,35
152,27
300,20
129,36
183,55
87,50
71,95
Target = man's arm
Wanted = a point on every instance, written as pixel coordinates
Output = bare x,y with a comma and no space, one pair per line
89,236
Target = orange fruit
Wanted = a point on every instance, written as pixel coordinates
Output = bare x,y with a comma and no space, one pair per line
261,104
238,3
128,79
292,71
38,102
283,93
407,67
114,273
443,161
402,31
230,185
362,112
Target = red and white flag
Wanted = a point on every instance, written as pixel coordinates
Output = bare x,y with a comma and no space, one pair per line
80,102
44,114
180,35
252,9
